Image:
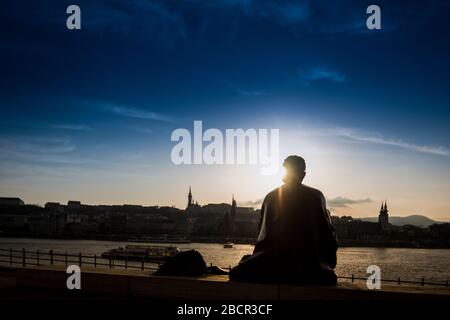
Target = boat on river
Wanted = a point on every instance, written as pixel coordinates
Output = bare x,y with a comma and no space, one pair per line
228,245
141,253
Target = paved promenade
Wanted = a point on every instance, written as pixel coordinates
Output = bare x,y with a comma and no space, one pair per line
50,282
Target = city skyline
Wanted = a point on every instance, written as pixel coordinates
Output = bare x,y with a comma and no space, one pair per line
191,201
88,114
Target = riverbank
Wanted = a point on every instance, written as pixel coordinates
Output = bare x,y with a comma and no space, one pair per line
243,241
126,283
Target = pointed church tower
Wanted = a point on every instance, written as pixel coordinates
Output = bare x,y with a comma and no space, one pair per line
383,217
233,209
189,198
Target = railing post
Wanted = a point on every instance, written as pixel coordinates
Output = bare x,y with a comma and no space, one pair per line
113,262
142,263
23,258
446,283
399,280
79,259
353,277
10,255
65,258
110,262
37,257
51,256
126,262
95,260
422,283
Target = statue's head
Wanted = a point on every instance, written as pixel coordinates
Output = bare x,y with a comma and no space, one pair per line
295,169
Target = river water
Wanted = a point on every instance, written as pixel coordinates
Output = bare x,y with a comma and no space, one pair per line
408,264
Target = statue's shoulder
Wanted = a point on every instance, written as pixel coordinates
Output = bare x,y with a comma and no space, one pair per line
274,194
312,192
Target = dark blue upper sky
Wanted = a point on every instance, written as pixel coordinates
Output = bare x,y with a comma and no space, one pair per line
187,58
138,69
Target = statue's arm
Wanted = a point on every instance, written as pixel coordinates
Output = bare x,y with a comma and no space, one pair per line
329,242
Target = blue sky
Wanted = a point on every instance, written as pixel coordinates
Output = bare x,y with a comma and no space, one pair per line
88,114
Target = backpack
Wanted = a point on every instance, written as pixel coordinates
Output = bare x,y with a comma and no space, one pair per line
185,263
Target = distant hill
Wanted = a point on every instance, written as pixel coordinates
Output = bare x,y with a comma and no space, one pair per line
415,220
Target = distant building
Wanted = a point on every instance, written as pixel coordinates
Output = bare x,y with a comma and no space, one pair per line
11,202
74,205
211,209
183,226
383,217
54,207
192,208
138,224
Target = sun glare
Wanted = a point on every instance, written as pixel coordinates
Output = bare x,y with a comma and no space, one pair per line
276,179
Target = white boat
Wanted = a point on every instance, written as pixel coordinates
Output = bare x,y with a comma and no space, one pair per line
228,245
141,252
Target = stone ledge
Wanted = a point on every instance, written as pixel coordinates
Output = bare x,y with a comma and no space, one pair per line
136,283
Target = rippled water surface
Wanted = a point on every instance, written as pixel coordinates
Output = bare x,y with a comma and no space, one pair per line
408,264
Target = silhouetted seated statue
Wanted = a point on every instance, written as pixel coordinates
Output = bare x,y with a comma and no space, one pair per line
296,242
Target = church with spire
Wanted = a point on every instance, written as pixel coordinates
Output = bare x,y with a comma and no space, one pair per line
189,198
233,209
383,217
191,206
230,219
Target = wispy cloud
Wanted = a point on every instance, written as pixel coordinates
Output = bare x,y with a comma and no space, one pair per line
338,202
341,202
131,112
144,130
252,203
282,12
252,93
36,145
72,127
58,154
138,16
322,74
43,150
379,139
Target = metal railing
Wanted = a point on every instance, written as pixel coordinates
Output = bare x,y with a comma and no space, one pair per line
40,258
422,281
